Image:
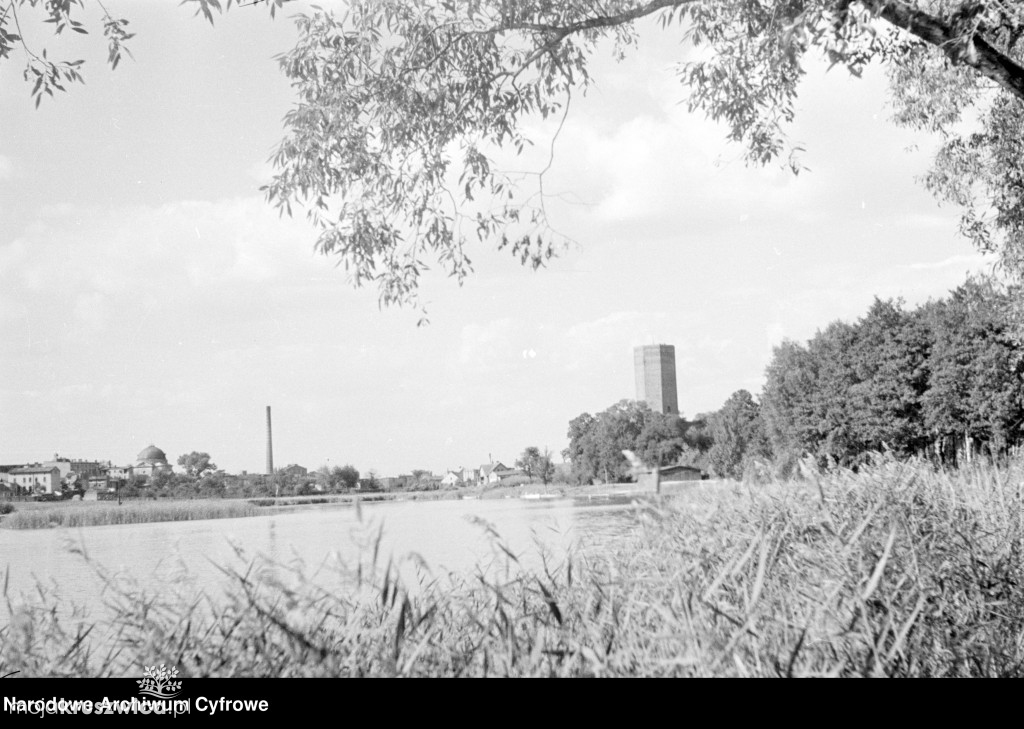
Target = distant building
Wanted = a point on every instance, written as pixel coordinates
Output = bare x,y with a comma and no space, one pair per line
401,481
36,478
151,461
486,473
110,477
5,472
655,367
452,478
100,483
497,473
681,473
508,476
672,473
294,471
67,466
69,470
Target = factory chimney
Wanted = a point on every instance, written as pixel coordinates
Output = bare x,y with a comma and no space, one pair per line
270,447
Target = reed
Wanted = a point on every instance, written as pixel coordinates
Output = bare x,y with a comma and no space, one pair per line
79,515
897,570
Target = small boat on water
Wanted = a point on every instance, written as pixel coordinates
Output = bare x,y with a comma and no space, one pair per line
539,496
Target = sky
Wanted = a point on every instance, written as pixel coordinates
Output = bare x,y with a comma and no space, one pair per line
150,295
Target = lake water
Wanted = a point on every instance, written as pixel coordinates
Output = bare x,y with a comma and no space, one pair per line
447,536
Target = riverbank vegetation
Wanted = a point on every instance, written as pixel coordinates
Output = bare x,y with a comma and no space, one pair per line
105,514
136,510
897,569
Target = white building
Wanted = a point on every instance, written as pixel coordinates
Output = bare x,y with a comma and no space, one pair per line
35,478
451,478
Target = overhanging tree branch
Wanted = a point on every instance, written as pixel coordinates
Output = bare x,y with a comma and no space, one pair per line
599,21
969,48
391,88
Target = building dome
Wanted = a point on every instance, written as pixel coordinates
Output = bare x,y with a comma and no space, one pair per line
152,454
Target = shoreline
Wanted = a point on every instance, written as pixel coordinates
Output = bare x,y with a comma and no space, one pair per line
51,515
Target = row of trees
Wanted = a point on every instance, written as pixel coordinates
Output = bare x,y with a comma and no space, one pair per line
945,379
211,484
200,478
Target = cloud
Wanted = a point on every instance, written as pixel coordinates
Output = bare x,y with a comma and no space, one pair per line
179,244
961,263
491,345
625,327
656,170
12,255
91,311
604,346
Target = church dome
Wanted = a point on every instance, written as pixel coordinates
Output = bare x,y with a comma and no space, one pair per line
152,454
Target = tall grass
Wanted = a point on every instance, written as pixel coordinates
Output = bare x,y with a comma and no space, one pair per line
131,513
893,571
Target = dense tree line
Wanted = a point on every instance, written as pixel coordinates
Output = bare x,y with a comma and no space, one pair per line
943,380
213,485
201,480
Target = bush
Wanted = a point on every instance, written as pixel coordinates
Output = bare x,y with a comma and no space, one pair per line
6,507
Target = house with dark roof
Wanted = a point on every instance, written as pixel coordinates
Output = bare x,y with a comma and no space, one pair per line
486,473
681,473
672,473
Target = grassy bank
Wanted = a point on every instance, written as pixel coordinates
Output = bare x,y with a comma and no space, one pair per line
893,571
105,513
